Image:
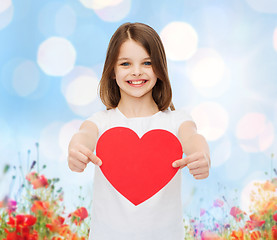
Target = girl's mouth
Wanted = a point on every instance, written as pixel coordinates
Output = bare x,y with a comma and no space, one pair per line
137,83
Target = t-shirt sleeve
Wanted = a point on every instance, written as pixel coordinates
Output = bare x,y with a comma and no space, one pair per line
181,115
98,119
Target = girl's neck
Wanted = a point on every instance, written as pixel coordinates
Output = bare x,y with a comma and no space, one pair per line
135,107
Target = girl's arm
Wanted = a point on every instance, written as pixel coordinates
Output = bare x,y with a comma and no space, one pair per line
196,149
81,147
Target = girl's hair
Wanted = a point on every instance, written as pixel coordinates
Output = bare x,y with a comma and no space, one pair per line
150,40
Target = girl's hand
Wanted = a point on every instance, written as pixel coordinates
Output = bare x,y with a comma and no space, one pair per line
79,156
198,164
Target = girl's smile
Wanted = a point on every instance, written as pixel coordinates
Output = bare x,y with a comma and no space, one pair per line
137,83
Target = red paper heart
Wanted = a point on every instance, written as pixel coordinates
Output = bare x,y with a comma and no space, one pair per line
138,167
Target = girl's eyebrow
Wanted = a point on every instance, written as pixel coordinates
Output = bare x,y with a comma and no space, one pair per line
125,58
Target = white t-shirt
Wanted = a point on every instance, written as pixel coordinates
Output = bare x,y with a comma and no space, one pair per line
158,218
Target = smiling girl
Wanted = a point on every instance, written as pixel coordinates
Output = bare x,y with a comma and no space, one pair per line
136,91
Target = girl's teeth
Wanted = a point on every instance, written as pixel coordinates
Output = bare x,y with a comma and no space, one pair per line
136,82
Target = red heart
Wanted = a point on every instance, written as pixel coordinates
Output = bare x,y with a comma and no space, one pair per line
138,167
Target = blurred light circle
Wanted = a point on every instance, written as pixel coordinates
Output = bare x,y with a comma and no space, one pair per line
206,68
219,89
57,18
264,6
49,141
114,12
275,39
99,4
255,132
221,152
6,13
80,86
4,5
180,41
82,90
12,85
25,78
66,133
65,21
56,56
211,120
246,201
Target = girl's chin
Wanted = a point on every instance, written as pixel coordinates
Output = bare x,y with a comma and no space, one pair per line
136,94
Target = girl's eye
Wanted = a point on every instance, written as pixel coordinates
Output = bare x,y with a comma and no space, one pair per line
125,64
147,63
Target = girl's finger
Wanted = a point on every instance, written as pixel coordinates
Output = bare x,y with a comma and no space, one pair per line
179,163
77,167
96,160
80,156
201,176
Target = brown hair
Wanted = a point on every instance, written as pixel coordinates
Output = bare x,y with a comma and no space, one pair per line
150,40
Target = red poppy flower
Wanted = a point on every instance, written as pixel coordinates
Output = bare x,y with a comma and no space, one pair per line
40,206
22,225
237,235
256,235
236,213
22,220
79,215
274,232
275,217
255,221
37,180
11,235
56,224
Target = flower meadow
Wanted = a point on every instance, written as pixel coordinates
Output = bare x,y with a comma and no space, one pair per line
38,213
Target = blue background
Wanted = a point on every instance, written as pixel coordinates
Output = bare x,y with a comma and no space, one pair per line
33,105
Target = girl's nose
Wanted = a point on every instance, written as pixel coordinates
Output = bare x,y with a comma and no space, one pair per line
136,71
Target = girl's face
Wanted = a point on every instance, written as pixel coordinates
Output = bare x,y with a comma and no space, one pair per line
133,71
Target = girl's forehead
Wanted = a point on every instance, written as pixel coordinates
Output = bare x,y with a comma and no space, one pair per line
132,48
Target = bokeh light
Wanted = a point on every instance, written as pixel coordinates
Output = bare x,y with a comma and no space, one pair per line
180,40
264,6
65,21
56,56
255,132
275,39
99,4
49,142
56,18
114,12
222,152
80,86
6,13
250,188
206,68
25,78
66,133
211,119
82,90
4,5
